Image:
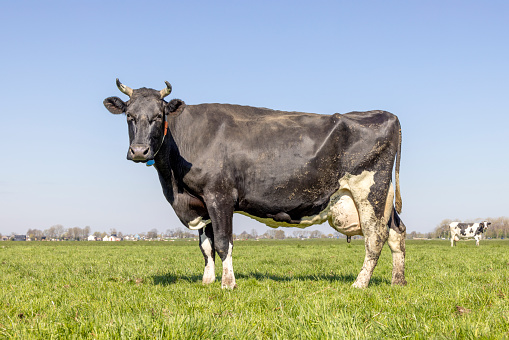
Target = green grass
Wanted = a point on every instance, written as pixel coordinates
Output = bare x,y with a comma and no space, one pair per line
287,289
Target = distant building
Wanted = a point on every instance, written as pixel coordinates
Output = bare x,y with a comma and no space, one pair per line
20,238
91,238
110,238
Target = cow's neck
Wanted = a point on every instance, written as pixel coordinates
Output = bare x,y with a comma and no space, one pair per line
171,168
166,173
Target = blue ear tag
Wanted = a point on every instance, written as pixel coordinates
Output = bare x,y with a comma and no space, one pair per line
151,162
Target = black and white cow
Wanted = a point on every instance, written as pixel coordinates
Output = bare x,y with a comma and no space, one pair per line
288,169
467,231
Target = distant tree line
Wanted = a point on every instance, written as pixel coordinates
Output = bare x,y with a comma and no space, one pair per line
58,232
178,233
279,234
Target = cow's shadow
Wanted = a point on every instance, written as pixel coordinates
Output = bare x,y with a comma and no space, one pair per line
170,278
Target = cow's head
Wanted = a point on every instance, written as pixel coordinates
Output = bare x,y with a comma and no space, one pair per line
145,111
486,224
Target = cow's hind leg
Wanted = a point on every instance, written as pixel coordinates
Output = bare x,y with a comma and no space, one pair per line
371,218
454,239
207,249
397,234
374,240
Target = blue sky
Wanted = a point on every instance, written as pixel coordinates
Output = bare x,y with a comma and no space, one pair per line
441,66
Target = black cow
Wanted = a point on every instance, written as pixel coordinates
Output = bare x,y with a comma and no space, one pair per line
288,169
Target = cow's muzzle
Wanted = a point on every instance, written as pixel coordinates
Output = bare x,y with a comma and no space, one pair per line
139,153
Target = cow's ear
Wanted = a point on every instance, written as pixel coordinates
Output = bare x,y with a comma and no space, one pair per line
174,107
115,105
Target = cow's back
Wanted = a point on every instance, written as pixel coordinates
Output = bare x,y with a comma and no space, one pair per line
268,136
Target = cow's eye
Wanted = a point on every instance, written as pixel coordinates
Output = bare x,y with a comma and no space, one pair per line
156,118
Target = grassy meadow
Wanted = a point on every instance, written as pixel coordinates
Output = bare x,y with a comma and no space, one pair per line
286,289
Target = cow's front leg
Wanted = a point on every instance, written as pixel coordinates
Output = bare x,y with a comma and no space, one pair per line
221,215
225,252
207,249
375,237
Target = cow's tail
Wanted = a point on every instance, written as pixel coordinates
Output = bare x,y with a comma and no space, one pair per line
399,202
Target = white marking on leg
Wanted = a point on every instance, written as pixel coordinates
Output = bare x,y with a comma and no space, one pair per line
209,274
397,244
228,280
453,226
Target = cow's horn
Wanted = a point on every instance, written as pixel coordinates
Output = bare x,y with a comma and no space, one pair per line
124,89
166,91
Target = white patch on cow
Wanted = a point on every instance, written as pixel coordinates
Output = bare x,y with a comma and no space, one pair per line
209,274
344,216
228,280
198,223
394,241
